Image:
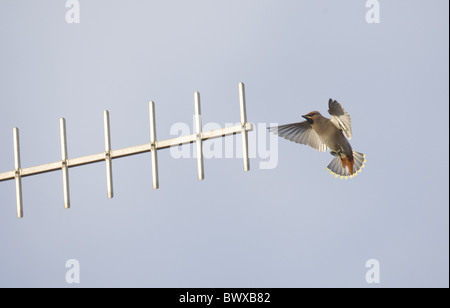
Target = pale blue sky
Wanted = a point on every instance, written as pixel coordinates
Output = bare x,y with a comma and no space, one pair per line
293,226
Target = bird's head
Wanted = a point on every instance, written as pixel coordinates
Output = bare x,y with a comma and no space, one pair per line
312,116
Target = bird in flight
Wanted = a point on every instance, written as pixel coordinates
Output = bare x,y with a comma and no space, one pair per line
322,134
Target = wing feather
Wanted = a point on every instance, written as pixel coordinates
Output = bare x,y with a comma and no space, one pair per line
340,118
302,133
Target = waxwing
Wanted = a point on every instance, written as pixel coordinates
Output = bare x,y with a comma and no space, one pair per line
322,134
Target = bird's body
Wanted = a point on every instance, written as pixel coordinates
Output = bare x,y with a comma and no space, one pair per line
322,133
331,135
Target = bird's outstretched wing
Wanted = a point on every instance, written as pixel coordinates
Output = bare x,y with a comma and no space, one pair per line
300,133
340,118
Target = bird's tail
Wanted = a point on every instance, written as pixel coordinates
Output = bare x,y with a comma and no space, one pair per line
345,167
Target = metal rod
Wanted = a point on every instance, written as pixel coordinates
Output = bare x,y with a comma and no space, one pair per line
64,162
243,123
109,180
198,133
153,145
17,175
119,153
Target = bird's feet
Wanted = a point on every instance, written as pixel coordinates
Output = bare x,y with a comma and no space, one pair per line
334,153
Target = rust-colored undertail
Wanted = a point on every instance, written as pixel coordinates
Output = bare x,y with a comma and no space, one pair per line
347,162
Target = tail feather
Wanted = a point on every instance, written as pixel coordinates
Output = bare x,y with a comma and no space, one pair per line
360,160
345,167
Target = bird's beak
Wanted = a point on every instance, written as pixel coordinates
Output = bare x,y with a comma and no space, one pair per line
308,118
